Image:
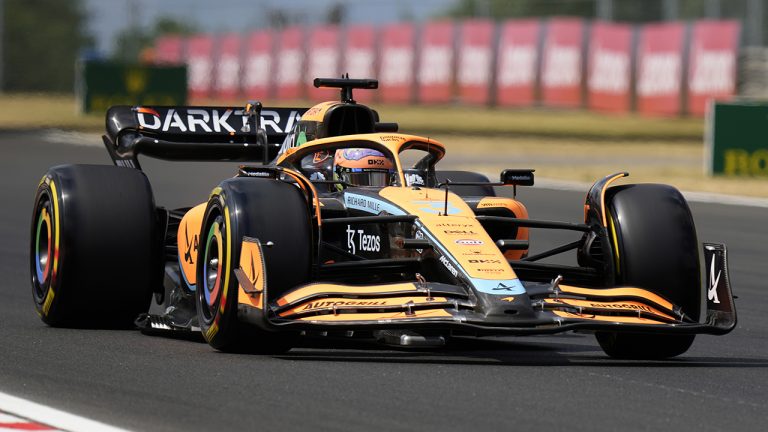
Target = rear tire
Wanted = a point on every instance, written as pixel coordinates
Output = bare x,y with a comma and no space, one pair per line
94,253
268,210
467,176
658,251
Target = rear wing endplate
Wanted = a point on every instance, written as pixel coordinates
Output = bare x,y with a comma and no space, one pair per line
197,133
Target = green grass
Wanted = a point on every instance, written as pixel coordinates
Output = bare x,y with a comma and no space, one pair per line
22,111
556,124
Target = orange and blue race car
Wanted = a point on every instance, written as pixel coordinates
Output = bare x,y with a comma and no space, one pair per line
338,225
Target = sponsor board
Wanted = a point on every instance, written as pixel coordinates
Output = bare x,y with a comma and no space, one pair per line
169,50
322,59
712,63
608,79
101,85
737,139
561,64
258,65
201,65
359,56
518,55
228,69
475,60
435,70
396,60
289,60
660,68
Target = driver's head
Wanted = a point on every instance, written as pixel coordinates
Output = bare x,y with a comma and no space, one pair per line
363,167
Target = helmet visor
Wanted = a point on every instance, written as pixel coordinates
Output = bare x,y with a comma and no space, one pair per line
367,177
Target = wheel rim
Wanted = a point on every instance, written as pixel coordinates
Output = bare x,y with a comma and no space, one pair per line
43,253
212,277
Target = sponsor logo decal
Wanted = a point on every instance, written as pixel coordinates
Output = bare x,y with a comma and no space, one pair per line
476,253
459,232
414,180
495,286
454,225
469,242
192,245
485,261
206,120
328,304
490,270
508,299
369,205
357,240
419,235
449,266
211,120
713,282
622,306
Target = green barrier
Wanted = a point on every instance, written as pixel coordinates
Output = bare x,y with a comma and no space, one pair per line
737,138
103,84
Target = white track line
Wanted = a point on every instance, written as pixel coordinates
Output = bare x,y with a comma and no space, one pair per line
51,416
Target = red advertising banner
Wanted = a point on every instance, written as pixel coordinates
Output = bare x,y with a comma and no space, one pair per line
517,59
712,63
396,58
435,70
475,61
228,67
169,50
608,71
258,66
322,60
561,65
200,66
289,57
360,57
660,68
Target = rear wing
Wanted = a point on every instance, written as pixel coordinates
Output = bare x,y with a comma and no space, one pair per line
197,133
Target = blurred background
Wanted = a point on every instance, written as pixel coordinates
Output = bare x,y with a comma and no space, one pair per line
634,78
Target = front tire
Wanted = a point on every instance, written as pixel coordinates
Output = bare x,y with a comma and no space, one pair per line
94,254
653,231
273,212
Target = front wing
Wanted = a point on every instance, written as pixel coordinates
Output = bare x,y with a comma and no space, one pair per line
547,308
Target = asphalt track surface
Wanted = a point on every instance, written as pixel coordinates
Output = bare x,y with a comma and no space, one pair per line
140,382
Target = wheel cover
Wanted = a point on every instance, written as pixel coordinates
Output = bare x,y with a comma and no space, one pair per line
43,245
212,273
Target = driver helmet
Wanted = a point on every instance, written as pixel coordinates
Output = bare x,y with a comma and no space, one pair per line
363,167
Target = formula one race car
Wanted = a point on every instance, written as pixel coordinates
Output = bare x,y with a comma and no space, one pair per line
341,226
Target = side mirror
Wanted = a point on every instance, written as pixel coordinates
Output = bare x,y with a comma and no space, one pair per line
517,177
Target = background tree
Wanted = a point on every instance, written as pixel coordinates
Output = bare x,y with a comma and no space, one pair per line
41,41
130,42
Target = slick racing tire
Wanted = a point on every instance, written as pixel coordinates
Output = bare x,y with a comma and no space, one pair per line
470,177
656,249
275,213
94,252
